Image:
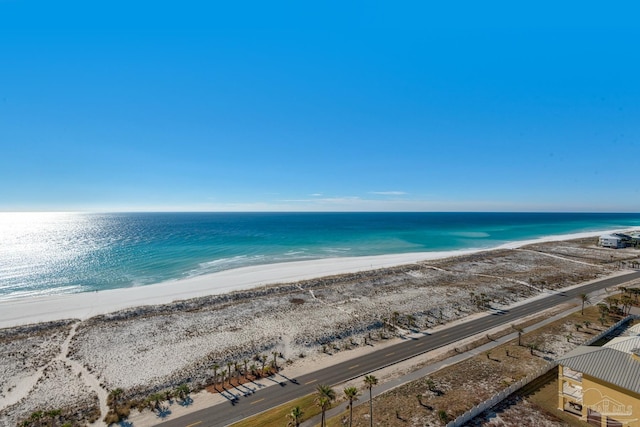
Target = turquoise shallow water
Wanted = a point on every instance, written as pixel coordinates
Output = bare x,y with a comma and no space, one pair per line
62,253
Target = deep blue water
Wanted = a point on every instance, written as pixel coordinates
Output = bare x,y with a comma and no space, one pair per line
62,253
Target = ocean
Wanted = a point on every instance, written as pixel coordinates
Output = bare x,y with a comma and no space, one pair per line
57,253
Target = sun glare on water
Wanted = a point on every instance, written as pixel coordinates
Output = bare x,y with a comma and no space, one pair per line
34,245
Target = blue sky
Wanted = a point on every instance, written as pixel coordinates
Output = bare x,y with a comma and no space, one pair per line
468,106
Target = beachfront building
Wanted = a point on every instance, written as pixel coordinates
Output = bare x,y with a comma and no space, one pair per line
611,241
601,385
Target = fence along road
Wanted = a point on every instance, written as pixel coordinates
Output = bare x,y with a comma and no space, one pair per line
227,413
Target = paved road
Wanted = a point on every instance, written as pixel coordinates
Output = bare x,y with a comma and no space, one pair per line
227,413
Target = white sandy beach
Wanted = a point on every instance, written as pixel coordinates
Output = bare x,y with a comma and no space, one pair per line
21,311
310,318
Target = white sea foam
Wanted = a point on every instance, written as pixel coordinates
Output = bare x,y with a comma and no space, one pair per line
336,250
294,253
471,234
35,293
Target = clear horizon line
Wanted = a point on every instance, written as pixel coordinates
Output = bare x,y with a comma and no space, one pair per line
126,211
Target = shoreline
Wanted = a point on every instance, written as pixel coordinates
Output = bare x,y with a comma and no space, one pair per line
309,323
84,305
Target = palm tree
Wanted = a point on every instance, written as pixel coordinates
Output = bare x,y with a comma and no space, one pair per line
394,318
520,332
584,298
223,377
295,415
154,400
604,310
263,359
385,324
229,366
323,403
324,396
183,391
275,359
370,381
114,398
626,302
431,385
215,368
411,320
245,362
613,303
352,394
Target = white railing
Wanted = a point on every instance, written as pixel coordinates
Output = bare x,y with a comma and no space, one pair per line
573,392
499,397
611,329
487,404
571,374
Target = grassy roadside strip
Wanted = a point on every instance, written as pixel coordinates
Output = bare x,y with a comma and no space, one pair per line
277,417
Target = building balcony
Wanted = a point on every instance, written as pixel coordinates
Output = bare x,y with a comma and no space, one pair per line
571,374
572,392
573,408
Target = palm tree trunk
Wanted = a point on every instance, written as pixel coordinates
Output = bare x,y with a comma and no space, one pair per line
370,408
351,414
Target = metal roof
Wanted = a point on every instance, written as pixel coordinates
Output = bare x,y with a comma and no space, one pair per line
626,344
615,340
606,364
634,330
